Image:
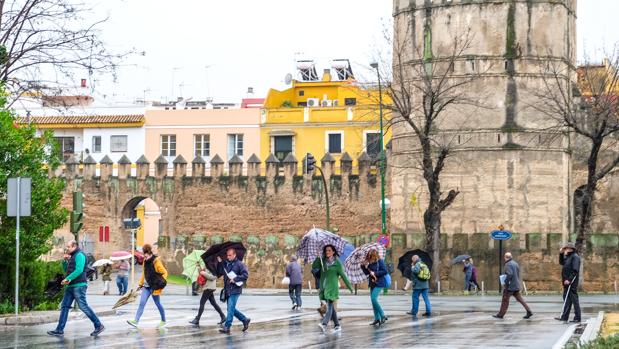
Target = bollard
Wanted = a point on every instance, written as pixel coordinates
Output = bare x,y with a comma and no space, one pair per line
438,286
309,286
615,287
482,288
395,287
524,284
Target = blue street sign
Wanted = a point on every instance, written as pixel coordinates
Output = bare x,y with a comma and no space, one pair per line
501,235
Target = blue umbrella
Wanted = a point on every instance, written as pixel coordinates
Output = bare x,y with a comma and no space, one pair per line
348,248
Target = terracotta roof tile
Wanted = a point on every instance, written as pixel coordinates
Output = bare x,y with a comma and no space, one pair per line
86,119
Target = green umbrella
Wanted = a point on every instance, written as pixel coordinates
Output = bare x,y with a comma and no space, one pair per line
192,264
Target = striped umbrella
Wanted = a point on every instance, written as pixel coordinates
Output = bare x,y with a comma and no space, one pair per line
315,240
352,265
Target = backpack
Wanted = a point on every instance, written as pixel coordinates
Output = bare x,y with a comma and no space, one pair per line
424,272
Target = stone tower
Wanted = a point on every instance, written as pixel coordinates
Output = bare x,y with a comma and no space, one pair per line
508,167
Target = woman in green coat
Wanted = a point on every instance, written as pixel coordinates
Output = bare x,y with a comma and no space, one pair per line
331,270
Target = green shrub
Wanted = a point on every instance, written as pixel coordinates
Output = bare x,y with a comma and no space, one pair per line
33,280
611,342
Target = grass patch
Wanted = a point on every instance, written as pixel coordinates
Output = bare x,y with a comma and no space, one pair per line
177,280
603,343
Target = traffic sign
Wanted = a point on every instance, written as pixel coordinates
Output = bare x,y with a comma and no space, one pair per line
501,235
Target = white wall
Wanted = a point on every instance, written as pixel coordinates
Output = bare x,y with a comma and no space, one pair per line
75,133
135,146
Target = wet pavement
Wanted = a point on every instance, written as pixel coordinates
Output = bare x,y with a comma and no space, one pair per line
458,322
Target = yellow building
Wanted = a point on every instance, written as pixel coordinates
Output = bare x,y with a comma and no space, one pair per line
317,116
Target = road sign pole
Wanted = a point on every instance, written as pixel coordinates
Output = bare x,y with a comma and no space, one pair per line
133,258
17,250
500,262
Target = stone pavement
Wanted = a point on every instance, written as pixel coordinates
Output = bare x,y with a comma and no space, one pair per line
458,322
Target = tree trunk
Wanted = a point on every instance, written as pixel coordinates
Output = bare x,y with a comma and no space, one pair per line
432,223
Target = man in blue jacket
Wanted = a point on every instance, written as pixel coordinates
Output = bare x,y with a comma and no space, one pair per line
76,285
235,275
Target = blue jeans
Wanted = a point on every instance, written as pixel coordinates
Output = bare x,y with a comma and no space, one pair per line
146,293
79,295
123,284
378,311
331,314
426,300
232,312
294,291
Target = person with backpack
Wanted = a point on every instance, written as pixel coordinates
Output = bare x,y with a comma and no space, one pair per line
331,270
152,282
377,273
75,290
421,286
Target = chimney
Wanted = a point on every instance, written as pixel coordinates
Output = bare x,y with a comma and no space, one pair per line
83,83
326,75
250,92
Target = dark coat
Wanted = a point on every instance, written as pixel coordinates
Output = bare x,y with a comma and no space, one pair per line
380,271
224,267
571,267
71,265
512,279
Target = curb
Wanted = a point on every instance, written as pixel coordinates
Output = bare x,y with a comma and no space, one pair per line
37,319
593,329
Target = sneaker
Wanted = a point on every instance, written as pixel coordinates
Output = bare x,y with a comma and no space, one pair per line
575,321
246,324
133,323
195,322
225,330
376,322
497,316
323,328
294,306
529,314
55,333
161,324
337,329
97,331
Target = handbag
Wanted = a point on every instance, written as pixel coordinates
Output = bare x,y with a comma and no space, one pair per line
201,280
223,295
286,280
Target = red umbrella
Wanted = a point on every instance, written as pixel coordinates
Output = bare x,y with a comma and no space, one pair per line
120,255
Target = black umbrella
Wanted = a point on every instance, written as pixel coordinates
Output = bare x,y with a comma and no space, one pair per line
53,286
461,258
405,264
219,250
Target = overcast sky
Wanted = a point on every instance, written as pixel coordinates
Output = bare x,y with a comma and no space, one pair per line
199,48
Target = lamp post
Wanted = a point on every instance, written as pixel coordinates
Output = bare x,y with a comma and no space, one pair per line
382,153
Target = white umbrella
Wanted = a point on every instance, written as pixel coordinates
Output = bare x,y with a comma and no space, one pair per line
101,262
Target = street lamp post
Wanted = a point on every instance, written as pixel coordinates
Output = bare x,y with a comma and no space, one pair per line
382,153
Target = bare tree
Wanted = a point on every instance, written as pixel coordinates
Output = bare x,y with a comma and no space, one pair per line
590,111
430,101
52,37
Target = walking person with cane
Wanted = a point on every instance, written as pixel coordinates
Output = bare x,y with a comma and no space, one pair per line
570,260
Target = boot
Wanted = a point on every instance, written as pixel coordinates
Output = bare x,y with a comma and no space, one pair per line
195,322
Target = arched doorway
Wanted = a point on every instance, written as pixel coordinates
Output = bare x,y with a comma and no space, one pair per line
148,212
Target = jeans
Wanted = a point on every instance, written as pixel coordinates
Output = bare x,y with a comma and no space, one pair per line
570,297
146,293
505,302
426,300
208,295
294,291
378,311
79,295
232,312
331,314
123,284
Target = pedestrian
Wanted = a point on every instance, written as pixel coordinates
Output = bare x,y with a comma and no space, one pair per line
468,274
235,275
512,287
208,294
570,260
376,270
106,276
322,309
152,282
295,273
331,270
421,286
75,289
122,278
473,277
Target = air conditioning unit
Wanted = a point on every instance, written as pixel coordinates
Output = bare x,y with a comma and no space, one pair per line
335,103
326,103
313,102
